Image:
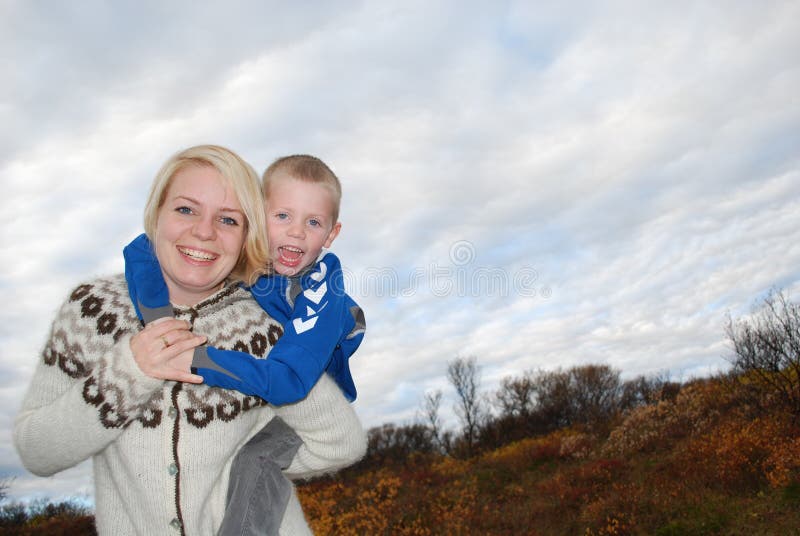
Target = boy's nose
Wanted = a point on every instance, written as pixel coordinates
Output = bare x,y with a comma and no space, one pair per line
296,231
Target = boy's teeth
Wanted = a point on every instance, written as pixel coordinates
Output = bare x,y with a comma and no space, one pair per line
291,253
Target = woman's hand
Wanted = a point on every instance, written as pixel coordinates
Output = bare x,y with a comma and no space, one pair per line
164,350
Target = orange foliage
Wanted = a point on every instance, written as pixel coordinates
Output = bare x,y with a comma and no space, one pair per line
766,448
527,452
647,428
703,463
383,503
688,465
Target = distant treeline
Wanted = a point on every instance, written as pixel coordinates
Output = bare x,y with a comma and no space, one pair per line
580,451
765,364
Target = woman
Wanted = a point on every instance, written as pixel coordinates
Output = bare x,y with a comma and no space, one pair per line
109,390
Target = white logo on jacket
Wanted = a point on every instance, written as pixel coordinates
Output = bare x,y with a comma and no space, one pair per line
315,296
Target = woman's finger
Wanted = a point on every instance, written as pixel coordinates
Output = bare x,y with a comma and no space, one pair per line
178,360
175,336
162,328
183,343
184,376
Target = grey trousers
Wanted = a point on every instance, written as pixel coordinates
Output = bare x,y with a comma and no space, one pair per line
258,491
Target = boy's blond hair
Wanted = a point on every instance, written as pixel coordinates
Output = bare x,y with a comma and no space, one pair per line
306,168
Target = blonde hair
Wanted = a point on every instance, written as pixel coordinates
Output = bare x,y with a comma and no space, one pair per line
306,168
243,179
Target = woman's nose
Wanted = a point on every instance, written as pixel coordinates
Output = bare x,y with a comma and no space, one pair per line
204,229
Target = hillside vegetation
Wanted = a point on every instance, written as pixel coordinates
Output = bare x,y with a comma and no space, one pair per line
582,452
705,462
572,452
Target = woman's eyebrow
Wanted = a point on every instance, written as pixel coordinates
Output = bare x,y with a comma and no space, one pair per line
226,209
196,202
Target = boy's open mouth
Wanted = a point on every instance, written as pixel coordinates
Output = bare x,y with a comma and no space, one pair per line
290,255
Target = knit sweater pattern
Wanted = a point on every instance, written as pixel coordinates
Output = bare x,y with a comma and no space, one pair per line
162,450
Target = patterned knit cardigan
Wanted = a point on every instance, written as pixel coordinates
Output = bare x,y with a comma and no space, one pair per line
162,450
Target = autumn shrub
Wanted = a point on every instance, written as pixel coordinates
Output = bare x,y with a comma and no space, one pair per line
388,501
652,502
573,486
749,452
82,525
577,445
527,453
45,518
360,508
615,510
783,463
616,525
659,426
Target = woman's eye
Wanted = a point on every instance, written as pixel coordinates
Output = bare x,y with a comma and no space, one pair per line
184,210
228,220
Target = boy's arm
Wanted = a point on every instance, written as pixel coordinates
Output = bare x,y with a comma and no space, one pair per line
325,328
339,367
146,285
290,370
322,328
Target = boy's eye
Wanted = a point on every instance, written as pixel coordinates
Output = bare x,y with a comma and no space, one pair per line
314,223
227,220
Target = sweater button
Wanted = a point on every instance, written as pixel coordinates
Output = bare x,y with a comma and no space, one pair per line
172,469
172,412
176,523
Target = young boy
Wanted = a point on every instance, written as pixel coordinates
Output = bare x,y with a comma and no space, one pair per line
322,327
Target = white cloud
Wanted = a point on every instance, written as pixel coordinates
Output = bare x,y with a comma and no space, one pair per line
643,160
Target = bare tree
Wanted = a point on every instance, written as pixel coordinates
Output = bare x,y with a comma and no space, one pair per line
390,444
431,405
587,394
463,374
767,349
4,485
554,400
643,390
515,398
595,393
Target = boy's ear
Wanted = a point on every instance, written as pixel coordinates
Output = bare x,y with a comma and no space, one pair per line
333,234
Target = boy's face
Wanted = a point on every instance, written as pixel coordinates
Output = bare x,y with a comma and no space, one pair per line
299,222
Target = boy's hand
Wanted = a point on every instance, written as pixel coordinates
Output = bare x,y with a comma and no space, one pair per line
215,376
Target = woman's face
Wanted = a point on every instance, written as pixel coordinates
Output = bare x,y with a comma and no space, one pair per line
199,235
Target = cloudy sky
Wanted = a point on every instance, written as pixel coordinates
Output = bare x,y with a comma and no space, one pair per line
537,184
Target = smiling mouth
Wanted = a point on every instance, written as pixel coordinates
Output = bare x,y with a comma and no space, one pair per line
290,254
197,254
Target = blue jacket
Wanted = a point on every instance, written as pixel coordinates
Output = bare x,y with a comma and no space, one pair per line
322,328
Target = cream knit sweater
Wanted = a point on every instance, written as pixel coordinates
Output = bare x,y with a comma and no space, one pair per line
162,450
